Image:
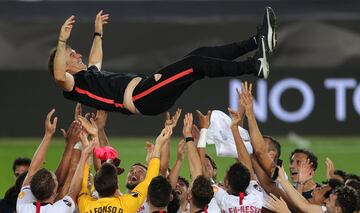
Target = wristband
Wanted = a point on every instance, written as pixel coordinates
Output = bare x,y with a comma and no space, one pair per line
62,41
98,34
187,139
202,139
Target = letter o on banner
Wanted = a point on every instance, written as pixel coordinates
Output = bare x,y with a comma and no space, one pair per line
275,97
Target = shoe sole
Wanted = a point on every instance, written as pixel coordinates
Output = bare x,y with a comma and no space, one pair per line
271,22
264,64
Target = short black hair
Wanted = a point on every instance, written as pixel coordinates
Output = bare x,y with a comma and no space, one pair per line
355,184
202,192
341,173
184,180
21,161
347,199
238,177
333,183
105,180
42,184
352,176
12,193
311,156
275,145
159,192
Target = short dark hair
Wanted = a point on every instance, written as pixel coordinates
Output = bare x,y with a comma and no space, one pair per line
347,199
21,161
274,145
159,192
238,177
51,59
12,193
311,156
42,184
202,191
355,184
140,164
333,183
341,173
184,180
105,180
352,176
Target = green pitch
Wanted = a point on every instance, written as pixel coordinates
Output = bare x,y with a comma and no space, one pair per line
344,151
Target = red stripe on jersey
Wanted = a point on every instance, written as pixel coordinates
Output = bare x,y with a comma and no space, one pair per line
98,98
161,84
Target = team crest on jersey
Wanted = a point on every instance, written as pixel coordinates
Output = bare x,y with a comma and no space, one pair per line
68,203
257,187
134,194
21,195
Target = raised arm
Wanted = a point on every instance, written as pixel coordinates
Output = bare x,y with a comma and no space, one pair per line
204,123
295,196
192,154
96,53
243,155
62,78
39,155
257,140
175,171
100,120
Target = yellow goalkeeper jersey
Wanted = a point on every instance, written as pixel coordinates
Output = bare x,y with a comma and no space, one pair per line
127,203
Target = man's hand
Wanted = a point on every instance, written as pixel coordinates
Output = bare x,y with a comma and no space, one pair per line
88,150
100,20
164,136
204,120
66,29
50,127
241,109
329,168
235,117
78,111
100,119
195,132
90,127
172,121
246,98
281,175
72,135
305,172
277,205
188,122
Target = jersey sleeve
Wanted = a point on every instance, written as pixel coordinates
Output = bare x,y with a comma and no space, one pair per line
219,195
65,205
137,196
25,196
84,194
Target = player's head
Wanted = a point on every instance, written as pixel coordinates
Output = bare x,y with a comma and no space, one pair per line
273,147
237,178
210,166
340,175
201,192
44,185
174,203
105,180
299,156
320,194
181,188
343,200
20,165
159,192
136,175
73,60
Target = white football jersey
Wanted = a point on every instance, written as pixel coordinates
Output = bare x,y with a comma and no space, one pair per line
252,202
144,208
26,199
213,206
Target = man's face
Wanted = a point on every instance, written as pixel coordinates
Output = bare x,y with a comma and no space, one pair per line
295,162
319,193
272,154
19,169
331,204
135,176
74,61
181,189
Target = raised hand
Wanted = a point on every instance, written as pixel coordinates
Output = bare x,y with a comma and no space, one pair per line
164,136
277,205
90,127
204,120
305,172
246,98
78,111
100,119
66,29
281,174
329,168
50,127
188,122
72,135
84,139
172,121
236,118
100,20
195,132
181,150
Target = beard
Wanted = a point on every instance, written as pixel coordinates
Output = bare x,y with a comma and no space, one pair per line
131,186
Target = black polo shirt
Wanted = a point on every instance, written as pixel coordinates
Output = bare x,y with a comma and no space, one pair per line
100,89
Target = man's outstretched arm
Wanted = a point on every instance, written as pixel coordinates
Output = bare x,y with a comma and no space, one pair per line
62,78
96,53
